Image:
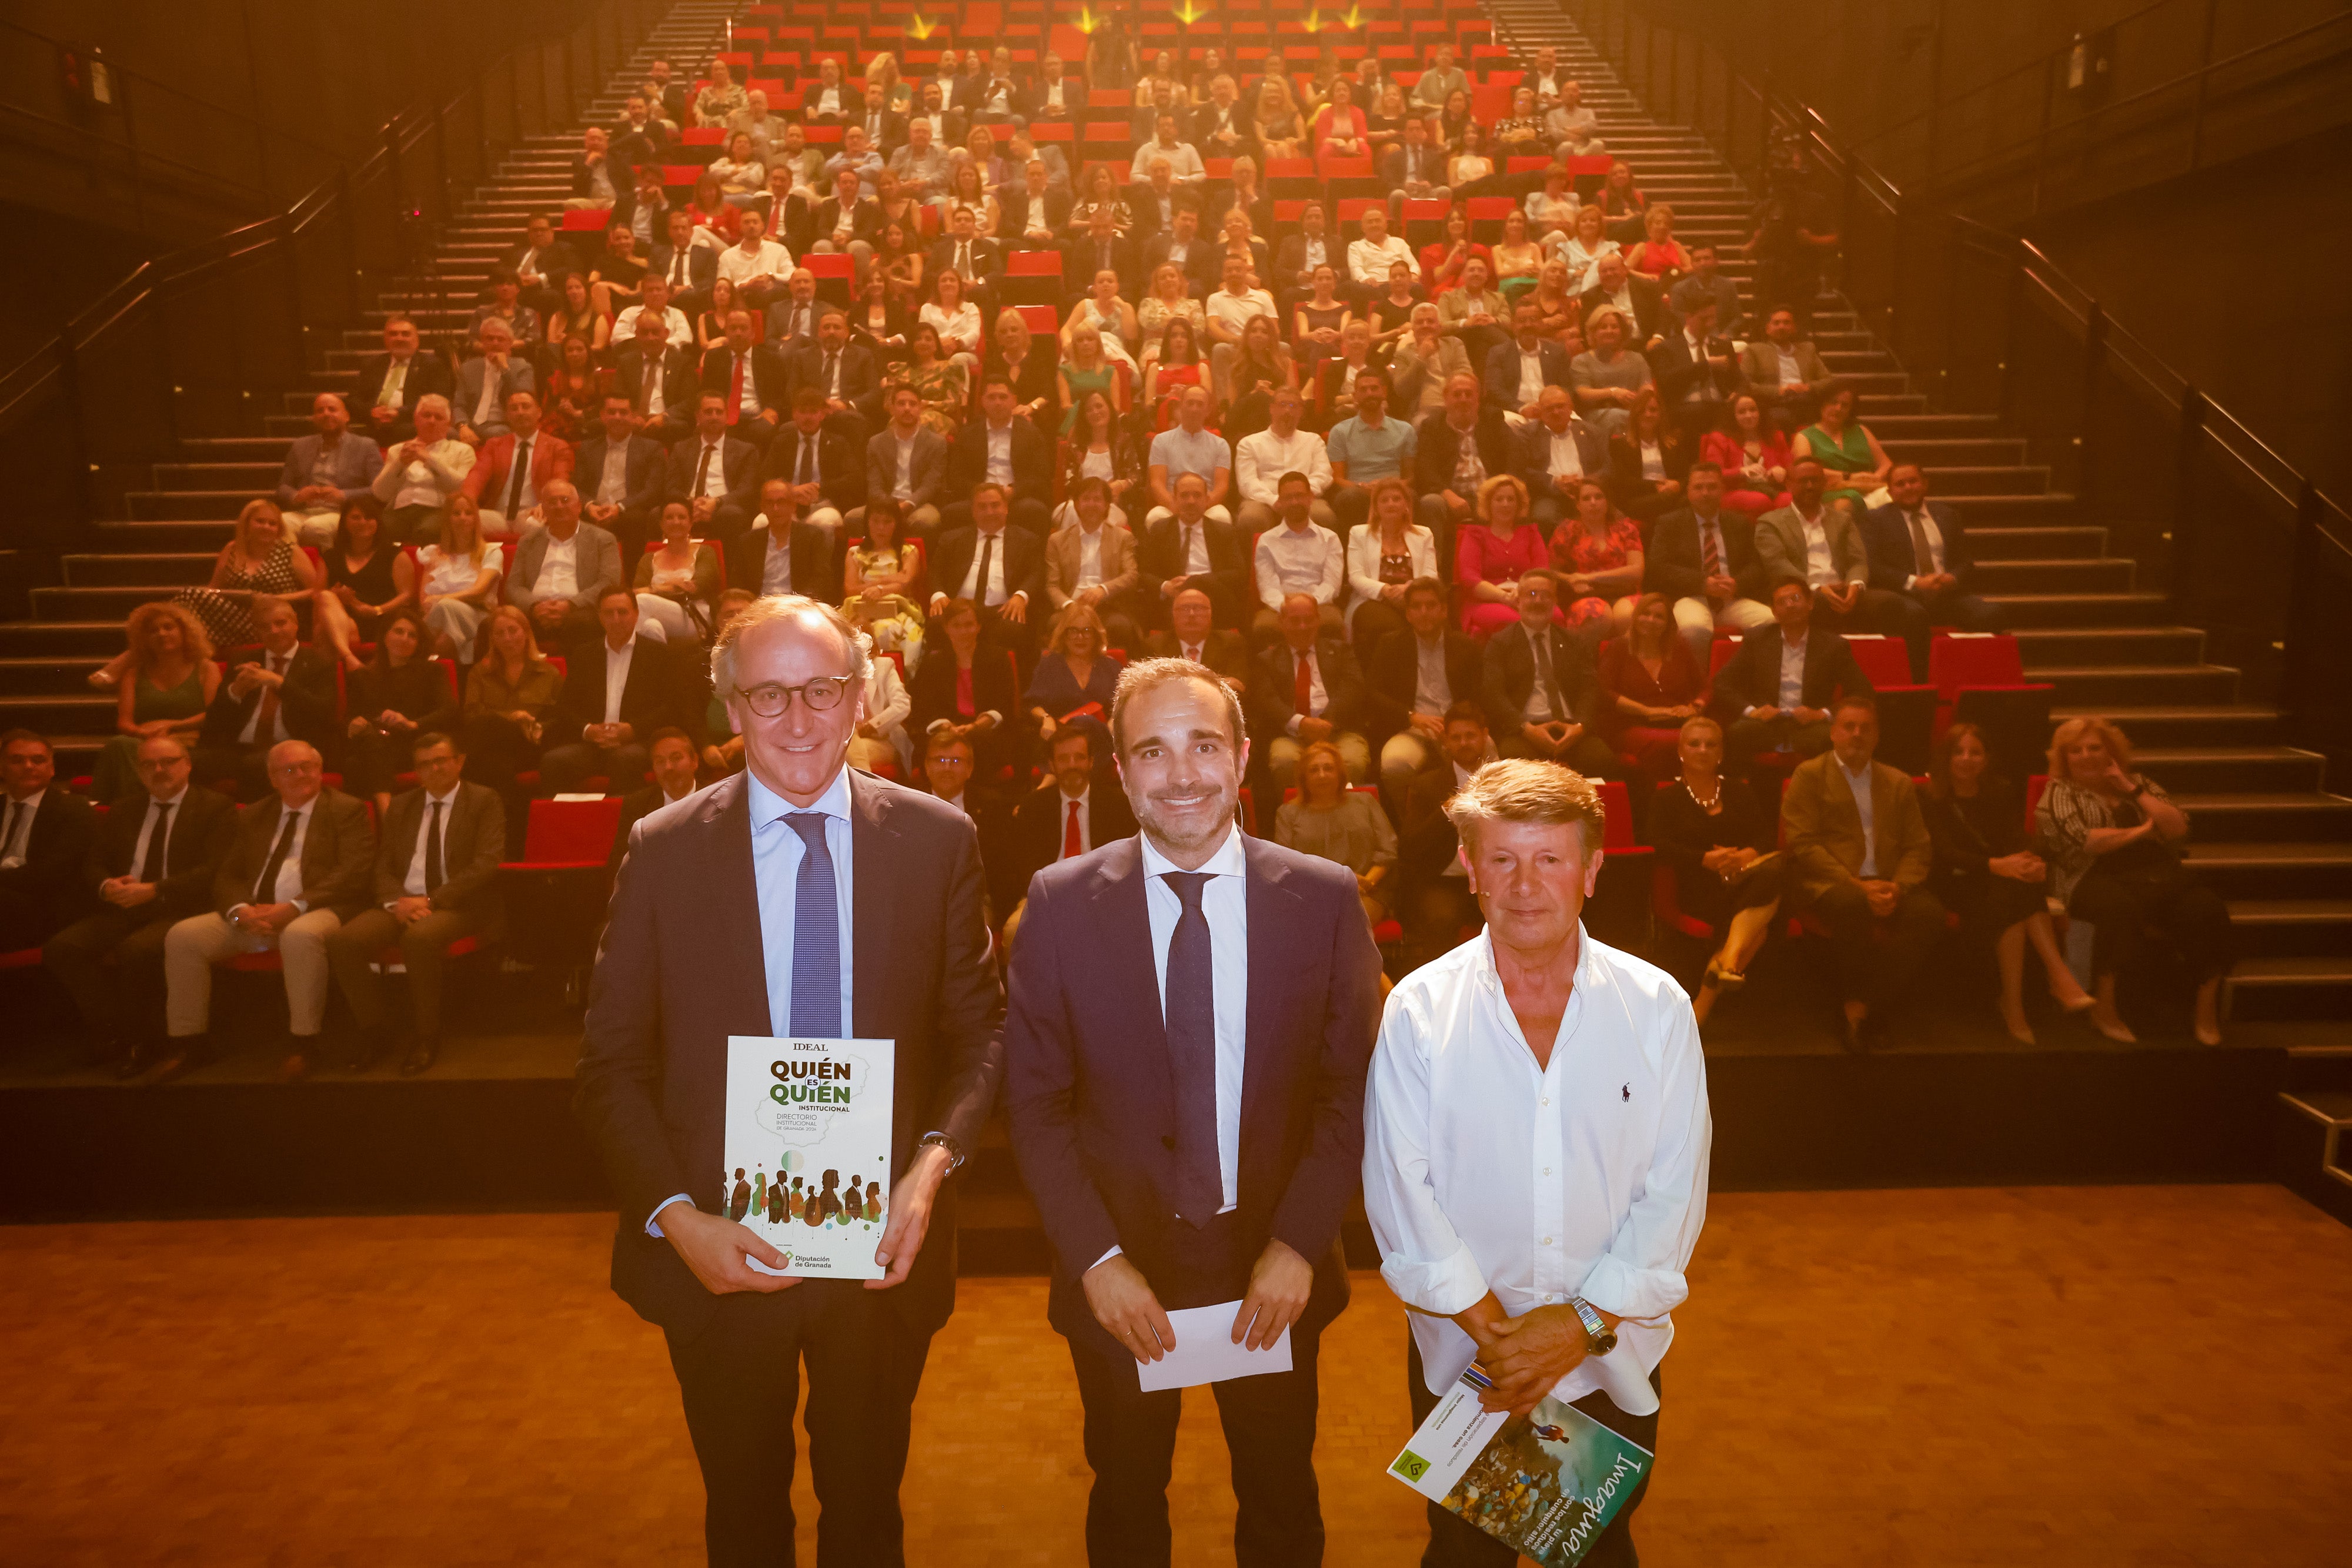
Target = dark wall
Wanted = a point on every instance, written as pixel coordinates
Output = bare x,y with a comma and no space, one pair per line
2276,347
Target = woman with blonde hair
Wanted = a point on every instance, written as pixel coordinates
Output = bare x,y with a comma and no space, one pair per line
1075,672
2111,834
508,695
257,560
1280,132
455,579
882,67
878,581
677,580
1659,256
169,679
1490,553
1169,300
1331,821
1385,557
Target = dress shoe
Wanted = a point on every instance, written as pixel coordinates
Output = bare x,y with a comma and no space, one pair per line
182,1053
132,1062
297,1065
374,1044
421,1056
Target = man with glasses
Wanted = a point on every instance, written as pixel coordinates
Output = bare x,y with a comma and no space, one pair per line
859,914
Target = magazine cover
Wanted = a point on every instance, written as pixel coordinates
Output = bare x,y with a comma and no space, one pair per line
808,1150
1547,1484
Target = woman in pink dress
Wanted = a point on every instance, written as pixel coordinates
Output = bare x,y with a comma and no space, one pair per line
1753,456
1598,553
1490,555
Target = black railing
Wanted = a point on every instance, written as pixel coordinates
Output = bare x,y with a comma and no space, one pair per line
205,338
2243,543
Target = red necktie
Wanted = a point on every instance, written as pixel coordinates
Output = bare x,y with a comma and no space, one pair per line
1072,844
1710,563
1305,697
735,394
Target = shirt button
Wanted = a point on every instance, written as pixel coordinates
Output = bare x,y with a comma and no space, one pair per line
1546,1170
1545,1100
1547,1241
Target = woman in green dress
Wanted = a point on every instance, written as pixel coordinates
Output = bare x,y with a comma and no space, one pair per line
1856,462
1089,369
168,684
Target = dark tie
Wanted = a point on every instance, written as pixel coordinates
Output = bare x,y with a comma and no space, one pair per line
8,828
265,891
433,875
678,268
521,465
1188,547
1192,1009
980,584
266,725
963,260
1923,558
816,934
832,374
151,868
702,469
1550,680
808,459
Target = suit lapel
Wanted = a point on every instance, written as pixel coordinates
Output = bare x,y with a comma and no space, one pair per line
1130,967
1273,910
873,853
739,971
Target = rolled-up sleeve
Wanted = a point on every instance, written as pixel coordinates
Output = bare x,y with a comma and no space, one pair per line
1424,1261
1642,1275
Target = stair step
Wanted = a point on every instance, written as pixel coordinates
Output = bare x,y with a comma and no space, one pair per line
59,712
2272,869
174,570
2089,574
2107,645
2191,769
2047,608
2307,817
2056,541
2292,927
2270,988
2112,684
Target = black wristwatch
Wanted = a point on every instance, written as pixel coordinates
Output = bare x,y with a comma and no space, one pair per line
1598,1337
954,1149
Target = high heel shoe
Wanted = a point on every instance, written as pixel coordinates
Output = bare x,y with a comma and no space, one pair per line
2117,1032
1724,979
2021,1032
2081,1004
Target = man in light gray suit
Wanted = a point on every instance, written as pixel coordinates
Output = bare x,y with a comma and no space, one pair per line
481,416
622,478
324,470
560,569
1820,546
907,461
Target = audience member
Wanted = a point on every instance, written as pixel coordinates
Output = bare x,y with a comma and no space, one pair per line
1082,811
821,466
967,689
881,578
1327,819
2113,834
907,460
617,691
1819,544
1776,692
486,382
669,753
1918,549
1541,695
1697,371
880,744
715,474
165,685
391,699
678,581
560,570
45,836
1300,558
657,378
436,869
1607,378
1491,553
283,690
422,473
1718,845
1008,453
619,477
1192,634
1703,557
1651,686
298,869
395,380
749,379
324,471
1754,457
1596,554
1000,571
1435,904
1859,857
1845,448
1366,448
1075,678
844,374
457,583
1785,371
1413,678
1639,303
1384,558
1092,564
1519,373
510,696
368,578
1425,361
1456,453
1189,447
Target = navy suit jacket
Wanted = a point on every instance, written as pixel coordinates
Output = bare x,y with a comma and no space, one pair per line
1091,1096
643,476
1886,539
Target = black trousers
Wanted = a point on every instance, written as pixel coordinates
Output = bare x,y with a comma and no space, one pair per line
2154,892
1455,1543
1876,958
740,1377
125,1003
1269,1425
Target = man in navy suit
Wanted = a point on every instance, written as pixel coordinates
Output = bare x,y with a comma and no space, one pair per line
620,478
1191,1018
1510,387
1918,549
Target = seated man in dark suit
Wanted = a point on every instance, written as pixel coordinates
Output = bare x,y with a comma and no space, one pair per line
436,875
791,320
1703,558
688,268
843,373
906,463
1307,688
1181,245
619,477
1001,569
1518,372
808,564
1697,371
1080,807
1191,549
752,381
1543,697
1414,678
1100,249
1034,214
658,379
1918,549
824,466
617,691
45,838
1775,694
150,861
1637,299
1554,452
1192,634
1000,449
971,258
849,221
713,473
389,383
284,690
1433,898
540,265
670,753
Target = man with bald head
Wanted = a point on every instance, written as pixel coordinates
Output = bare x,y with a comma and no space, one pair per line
298,869
323,470
734,914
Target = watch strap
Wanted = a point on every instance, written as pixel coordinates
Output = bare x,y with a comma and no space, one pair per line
954,1149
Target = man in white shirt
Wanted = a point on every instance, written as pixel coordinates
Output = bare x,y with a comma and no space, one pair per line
1231,309
1370,258
1572,128
1185,165
1103,1009
421,473
1536,1137
922,168
653,299
1261,459
757,265
1302,556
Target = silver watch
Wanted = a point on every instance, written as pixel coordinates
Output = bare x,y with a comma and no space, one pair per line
954,1149
1598,1337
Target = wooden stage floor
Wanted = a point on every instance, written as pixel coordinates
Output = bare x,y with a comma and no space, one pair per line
2069,1376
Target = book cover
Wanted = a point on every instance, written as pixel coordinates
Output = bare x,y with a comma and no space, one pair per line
1546,1484
808,1150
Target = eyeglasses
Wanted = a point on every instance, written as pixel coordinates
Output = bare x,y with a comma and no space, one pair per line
821,696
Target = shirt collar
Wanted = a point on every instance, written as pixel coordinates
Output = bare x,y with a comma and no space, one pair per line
1229,859
1853,773
170,800
442,799
767,806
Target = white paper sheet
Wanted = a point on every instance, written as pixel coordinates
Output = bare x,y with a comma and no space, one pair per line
1205,1352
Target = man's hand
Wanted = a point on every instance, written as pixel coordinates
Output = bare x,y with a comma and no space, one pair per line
1530,1355
1015,610
1280,1282
267,919
1429,726
548,613
910,1216
409,911
1168,590
1881,895
1121,1301
1722,586
124,894
1311,730
713,1249
1805,714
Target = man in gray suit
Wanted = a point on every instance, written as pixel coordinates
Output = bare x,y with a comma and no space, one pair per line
621,477
1518,372
907,461
1821,547
436,869
486,380
560,569
324,470
1552,453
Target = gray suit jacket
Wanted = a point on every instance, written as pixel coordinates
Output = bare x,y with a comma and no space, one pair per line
358,460
519,377
1781,546
1759,363
473,843
926,470
599,568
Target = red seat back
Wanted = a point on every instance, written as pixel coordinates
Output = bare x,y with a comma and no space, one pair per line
1989,659
1883,660
571,830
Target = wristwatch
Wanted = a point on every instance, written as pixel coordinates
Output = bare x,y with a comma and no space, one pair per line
1598,1337
954,1149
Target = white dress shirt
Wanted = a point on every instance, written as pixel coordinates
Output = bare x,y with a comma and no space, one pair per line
777,851
1858,786
1224,902
559,569
991,592
714,474
1433,688
1792,673
1300,561
616,676
1820,566
1261,459
776,570
1369,263
624,326
739,266
248,736
413,887
289,888
1584,1178
612,484
1566,461
1089,557
147,831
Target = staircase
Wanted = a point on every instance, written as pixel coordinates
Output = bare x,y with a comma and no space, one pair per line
2269,835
